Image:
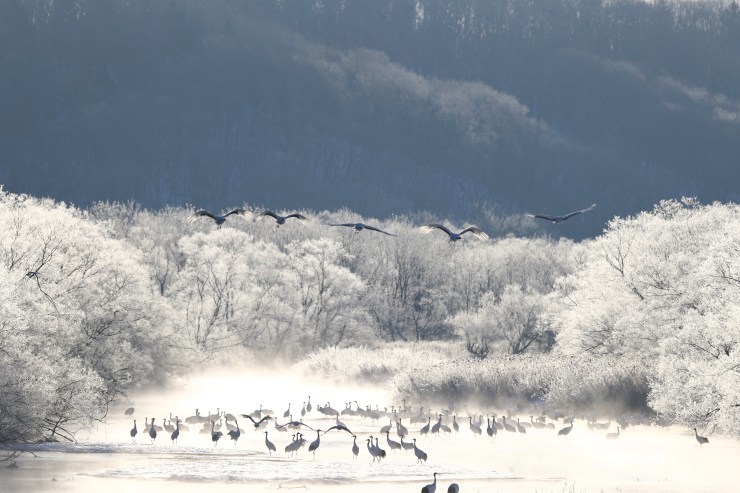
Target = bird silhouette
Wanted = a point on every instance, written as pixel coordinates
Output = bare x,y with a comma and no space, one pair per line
560,219
195,419
702,440
348,410
421,456
215,435
339,423
536,424
431,487
328,410
129,411
355,448
566,430
394,445
315,444
453,488
387,427
298,424
295,444
235,433
280,220
270,446
176,432
381,452
507,426
401,430
152,431
437,426
490,429
257,423
133,432
477,232
371,449
339,427
220,220
360,226
406,445
613,436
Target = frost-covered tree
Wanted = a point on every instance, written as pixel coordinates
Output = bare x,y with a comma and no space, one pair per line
213,287
80,324
517,318
660,288
330,295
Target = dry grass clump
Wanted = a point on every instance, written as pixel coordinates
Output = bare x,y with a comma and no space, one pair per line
376,364
531,380
439,372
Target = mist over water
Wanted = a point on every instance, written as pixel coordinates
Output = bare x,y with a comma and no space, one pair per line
642,459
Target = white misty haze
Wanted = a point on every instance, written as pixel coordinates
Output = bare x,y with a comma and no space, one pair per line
642,460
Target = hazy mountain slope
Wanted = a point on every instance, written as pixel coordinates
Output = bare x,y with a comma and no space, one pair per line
446,106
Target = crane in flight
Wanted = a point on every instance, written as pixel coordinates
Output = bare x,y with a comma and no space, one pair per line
475,231
564,217
360,226
280,220
220,220
255,422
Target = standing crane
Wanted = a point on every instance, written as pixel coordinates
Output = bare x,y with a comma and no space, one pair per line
431,487
215,435
315,444
421,456
176,432
702,440
235,433
566,430
270,446
355,448
152,431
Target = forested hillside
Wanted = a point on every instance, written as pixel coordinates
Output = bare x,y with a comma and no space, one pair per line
471,109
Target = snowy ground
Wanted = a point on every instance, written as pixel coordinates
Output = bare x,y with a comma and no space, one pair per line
643,459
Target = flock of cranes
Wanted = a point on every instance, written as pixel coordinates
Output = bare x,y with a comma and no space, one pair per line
222,425
427,228
445,422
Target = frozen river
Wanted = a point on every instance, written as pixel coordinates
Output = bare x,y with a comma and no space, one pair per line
642,459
